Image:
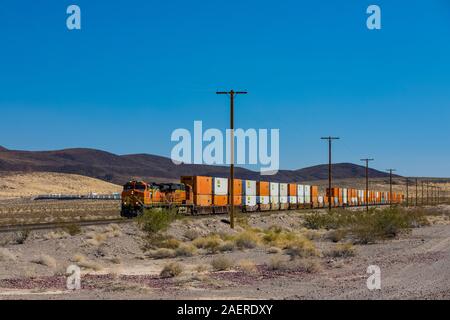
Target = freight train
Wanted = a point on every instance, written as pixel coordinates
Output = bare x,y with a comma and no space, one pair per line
211,195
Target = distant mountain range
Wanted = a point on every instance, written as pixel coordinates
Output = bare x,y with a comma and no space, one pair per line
121,168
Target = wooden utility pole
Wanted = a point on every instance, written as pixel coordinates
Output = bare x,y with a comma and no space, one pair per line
232,93
329,167
416,192
367,181
390,185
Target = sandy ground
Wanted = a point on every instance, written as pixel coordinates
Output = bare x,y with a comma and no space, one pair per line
14,185
115,266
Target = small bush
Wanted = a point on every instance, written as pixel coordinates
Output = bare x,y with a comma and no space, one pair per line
155,220
210,243
246,240
273,250
22,236
227,246
162,253
45,260
185,250
91,265
73,229
345,250
277,263
305,265
221,264
170,243
191,234
301,248
247,266
171,270
336,235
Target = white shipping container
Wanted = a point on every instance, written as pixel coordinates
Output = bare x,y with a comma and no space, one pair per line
292,199
274,189
300,193
283,199
220,186
274,199
249,188
249,201
307,189
320,199
263,199
283,189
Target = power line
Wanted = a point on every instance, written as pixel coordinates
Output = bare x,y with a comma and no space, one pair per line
367,181
390,185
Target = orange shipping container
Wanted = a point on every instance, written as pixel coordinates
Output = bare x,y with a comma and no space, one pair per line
220,200
200,185
292,189
262,189
314,191
237,187
202,200
237,200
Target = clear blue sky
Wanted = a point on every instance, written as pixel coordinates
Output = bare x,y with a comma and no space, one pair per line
140,69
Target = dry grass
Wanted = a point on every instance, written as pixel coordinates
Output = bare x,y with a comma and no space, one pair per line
56,235
247,266
171,270
305,265
277,263
227,246
186,250
221,263
273,250
246,240
345,250
162,253
6,255
78,257
301,248
191,235
45,260
210,243
91,265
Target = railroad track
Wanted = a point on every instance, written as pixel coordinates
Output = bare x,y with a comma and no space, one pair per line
58,225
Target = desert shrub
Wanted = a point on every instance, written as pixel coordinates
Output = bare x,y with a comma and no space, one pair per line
341,251
191,234
336,235
221,263
186,250
273,250
91,265
170,243
21,236
171,270
305,265
227,246
210,243
162,253
45,260
276,263
247,266
72,229
301,248
155,220
246,240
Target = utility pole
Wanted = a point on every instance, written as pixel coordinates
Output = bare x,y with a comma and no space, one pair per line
407,193
330,138
422,194
367,181
428,195
390,185
416,192
232,93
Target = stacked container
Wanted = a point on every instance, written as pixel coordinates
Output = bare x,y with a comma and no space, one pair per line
274,195
284,200
314,198
249,195
345,196
263,195
292,193
201,189
307,191
220,192
237,199
301,195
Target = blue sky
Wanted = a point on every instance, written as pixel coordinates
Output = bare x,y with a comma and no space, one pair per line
140,69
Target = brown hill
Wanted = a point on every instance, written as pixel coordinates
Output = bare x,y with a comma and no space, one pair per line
121,168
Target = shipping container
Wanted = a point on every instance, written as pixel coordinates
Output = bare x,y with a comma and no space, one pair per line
274,189
237,200
220,200
307,190
283,189
202,200
220,186
249,188
200,185
262,188
249,201
301,194
292,190
237,187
